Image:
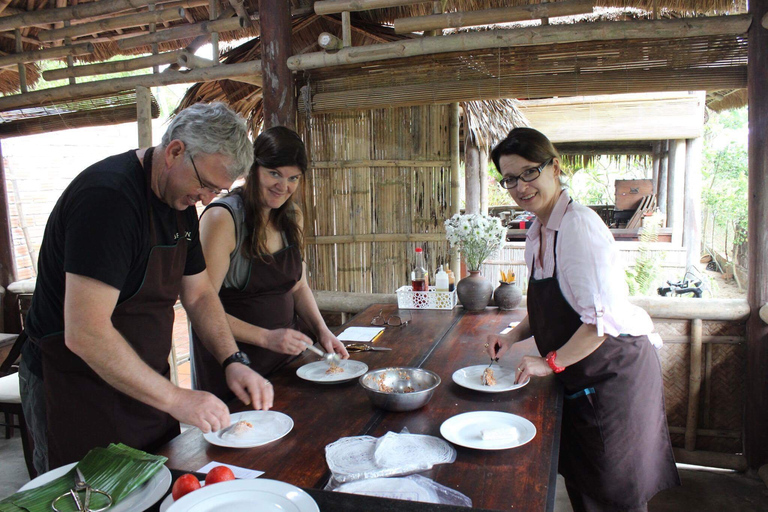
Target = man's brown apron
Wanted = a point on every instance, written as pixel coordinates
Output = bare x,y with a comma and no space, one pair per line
265,301
615,445
83,410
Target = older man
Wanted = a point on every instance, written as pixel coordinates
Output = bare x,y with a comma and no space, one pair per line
121,245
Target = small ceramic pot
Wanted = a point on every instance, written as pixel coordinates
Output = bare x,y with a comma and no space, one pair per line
507,296
474,292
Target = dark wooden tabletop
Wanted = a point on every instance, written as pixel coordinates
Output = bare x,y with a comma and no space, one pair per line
522,478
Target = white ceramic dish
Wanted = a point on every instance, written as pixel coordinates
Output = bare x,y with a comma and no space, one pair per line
262,495
268,426
470,378
139,500
464,429
316,372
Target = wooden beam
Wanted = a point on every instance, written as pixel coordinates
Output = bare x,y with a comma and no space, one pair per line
756,389
764,313
676,189
352,164
120,22
144,116
483,180
346,29
192,61
119,66
600,31
245,70
45,54
663,186
87,10
22,69
492,16
736,310
337,6
328,41
694,386
711,459
454,128
241,11
213,8
278,96
375,237
183,32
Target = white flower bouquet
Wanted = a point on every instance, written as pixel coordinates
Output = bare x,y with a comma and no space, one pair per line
476,236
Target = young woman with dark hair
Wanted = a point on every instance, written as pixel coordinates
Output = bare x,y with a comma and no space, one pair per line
253,240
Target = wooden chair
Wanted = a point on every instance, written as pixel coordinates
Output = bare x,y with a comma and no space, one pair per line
10,407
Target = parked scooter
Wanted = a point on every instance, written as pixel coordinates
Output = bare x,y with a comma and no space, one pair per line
684,286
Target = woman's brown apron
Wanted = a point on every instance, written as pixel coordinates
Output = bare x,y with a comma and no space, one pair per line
267,302
83,410
615,445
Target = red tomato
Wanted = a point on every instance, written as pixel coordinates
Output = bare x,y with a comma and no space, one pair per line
184,485
219,474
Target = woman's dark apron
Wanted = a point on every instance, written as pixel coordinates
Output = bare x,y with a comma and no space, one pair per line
83,410
615,444
267,302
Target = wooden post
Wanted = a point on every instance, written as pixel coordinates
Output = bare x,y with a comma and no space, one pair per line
656,155
483,180
692,195
675,191
471,177
661,191
694,385
756,414
144,116
22,68
346,29
455,171
328,41
213,9
279,100
10,317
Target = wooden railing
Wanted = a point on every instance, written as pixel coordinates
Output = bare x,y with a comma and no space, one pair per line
669,315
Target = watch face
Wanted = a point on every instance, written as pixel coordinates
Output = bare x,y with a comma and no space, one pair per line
237,357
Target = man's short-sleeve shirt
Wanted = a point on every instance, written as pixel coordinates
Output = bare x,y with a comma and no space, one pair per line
99,228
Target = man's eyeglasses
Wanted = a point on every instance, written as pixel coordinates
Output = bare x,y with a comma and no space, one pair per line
527,176
393,320
212,190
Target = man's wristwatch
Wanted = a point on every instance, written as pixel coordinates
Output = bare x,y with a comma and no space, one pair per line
237,357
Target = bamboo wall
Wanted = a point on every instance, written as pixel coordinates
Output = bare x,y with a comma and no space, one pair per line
378,187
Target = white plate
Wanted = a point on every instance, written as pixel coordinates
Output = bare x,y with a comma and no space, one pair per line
470,378
464,429
315,372
260,495
139,500
269,425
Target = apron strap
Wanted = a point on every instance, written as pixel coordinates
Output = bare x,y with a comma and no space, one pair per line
14,354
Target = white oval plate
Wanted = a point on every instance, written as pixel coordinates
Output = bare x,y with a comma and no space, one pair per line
471,378
262,495
464,429
139,500
270,426
315,372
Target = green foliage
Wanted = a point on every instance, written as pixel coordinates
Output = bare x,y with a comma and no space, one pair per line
592,181
642,279
724,170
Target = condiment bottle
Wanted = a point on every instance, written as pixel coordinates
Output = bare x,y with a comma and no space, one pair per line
441,280
451,279
419,274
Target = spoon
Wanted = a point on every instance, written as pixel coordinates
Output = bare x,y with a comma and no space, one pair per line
331,359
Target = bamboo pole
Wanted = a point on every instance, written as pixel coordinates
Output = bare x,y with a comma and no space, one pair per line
375,237
453,136
711,459
183,32
190,60
22,69
104,25
119,66
676,189
765,21
70,13
213,8
328,41
600,31
764,313
346,29
47,53
694,386
350,164
492,16
241,11
244,71
692,201
337,6
144,116
471,176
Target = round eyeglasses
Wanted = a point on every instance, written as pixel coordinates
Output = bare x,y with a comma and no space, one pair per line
527,176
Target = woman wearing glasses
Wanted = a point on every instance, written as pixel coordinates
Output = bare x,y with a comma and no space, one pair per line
615,452
252,241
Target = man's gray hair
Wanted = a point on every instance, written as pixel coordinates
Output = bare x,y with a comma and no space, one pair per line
213,128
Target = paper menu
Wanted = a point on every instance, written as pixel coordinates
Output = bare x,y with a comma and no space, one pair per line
360,334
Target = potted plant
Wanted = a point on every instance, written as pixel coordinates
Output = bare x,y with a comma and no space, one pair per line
507,296
476,237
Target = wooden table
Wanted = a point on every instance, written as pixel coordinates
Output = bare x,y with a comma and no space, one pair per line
442,341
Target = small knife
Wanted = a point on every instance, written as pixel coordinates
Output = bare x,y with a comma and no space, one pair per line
357,347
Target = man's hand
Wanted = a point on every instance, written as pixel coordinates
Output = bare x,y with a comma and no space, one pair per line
331,344
250,387
287,341
200,409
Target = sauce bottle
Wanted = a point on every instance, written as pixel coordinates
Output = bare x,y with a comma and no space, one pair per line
419,273
441,280
451,279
